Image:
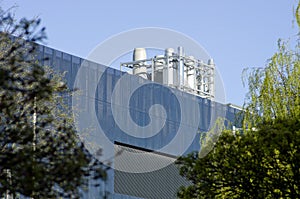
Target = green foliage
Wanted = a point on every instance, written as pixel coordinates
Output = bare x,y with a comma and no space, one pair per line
256,164
40,153
274,90
209,139
297,14
263,161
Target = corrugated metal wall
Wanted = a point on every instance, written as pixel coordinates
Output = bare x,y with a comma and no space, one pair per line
113,106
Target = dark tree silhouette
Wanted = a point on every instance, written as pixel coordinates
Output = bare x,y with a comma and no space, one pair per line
41,155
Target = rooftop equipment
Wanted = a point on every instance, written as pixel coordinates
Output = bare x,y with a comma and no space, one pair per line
176,70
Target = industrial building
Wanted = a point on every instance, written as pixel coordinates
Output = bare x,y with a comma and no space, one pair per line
143,116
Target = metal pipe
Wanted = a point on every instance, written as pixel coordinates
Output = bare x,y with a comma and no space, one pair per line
181,66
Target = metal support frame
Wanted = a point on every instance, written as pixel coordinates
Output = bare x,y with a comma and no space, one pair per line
180,64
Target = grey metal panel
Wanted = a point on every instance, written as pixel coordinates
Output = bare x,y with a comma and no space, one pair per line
160,183
144,95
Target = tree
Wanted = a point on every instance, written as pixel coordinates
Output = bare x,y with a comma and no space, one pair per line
262,160
41,155
255,164
274,90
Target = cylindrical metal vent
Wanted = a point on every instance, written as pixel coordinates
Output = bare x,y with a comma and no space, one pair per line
140,69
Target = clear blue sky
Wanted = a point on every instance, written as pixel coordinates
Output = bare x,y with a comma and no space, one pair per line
237,34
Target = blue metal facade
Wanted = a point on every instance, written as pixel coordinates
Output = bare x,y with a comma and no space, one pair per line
139,114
